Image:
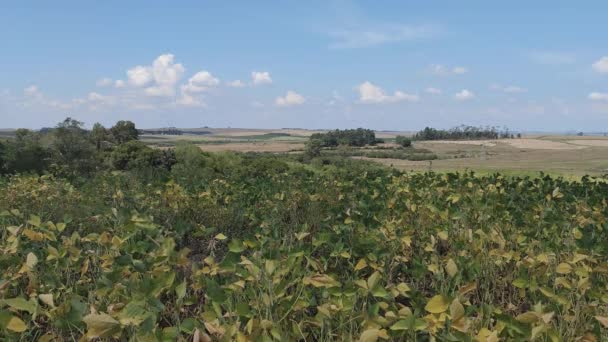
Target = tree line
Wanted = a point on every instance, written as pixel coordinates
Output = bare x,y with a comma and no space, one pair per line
464,132
70,150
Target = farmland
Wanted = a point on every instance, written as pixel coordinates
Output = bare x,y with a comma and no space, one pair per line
562,155
175,243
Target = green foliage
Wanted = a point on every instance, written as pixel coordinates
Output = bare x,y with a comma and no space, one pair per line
73,153
350,137
124,131
25,153
462,133
403,141
136,155
312,148
258,247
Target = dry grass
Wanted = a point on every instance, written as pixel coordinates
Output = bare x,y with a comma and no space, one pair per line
253,147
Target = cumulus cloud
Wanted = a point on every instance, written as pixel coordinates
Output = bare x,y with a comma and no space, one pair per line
290,99
601,65
119,83
139,76
104,82
160,78
434,91
236,84
200,82
370,93
442,70
261,77
464,95
595,96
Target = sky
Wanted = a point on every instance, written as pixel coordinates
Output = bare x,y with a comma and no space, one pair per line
386,65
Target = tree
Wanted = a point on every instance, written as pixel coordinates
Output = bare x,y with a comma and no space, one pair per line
73,153
99,135
135,155
124,131
313,148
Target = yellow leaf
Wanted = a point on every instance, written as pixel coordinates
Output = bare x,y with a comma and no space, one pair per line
360,265
437,304
467,288
456,310
16,324
47,299
370,335
603,320
443,235
563,268
31,260
451,268
101,325
320,280
221,236
527,317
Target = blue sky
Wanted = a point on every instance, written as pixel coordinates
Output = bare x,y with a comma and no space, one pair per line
394,65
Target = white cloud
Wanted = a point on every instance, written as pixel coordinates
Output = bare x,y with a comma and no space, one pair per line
552,57
200,82
161,77
464,95
257,104
442,70
119,83
139,76
601,65
370,93
290,99
366,37
236,84
104,82
434,91
166,74
595,96
261,77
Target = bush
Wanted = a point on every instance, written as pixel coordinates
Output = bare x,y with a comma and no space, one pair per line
403,141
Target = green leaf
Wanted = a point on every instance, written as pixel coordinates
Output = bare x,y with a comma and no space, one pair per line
400,325
236,246
34,221
133,314
180,290
21,304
